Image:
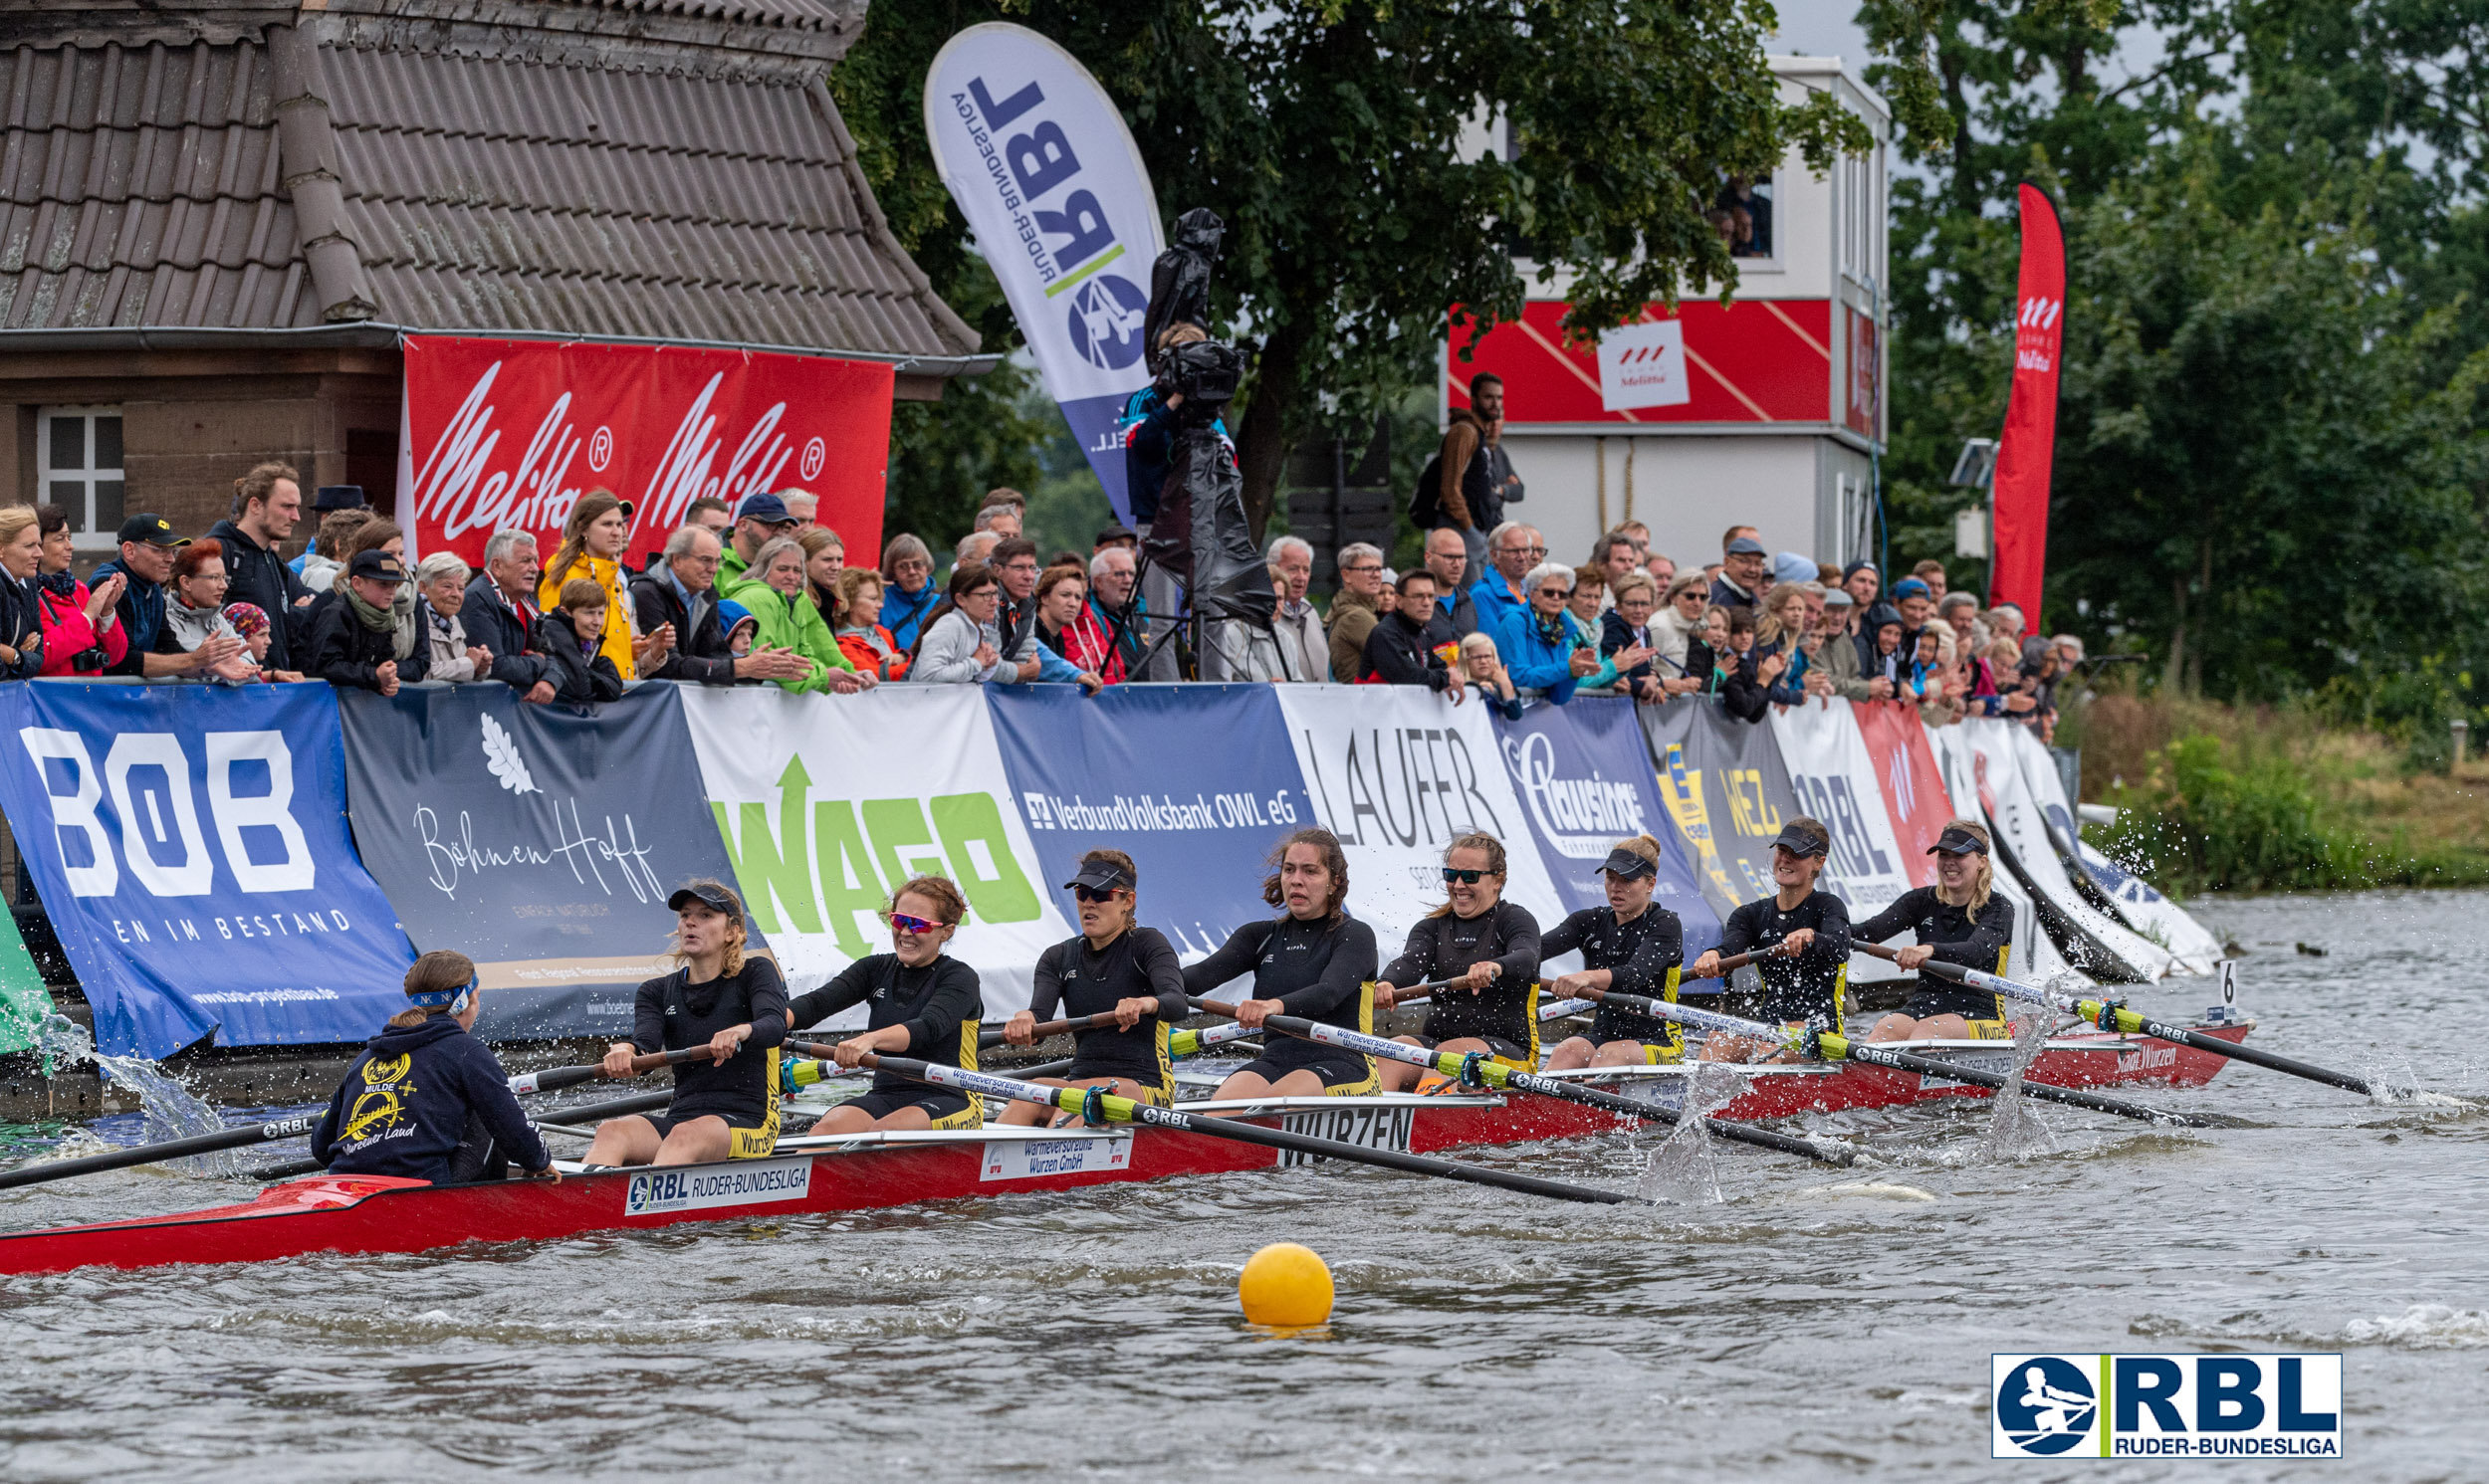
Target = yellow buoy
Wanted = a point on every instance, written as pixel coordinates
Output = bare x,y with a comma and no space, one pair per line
1286,1287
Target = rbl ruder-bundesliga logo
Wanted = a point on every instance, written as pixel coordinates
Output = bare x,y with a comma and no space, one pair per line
2164,1406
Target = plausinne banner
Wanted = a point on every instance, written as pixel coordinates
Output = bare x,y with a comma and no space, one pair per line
1398,772
510,433
541,841
1191,781
189,844
1040,160
827,806
1583,775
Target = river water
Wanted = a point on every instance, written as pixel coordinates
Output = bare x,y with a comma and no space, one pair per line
1797,1331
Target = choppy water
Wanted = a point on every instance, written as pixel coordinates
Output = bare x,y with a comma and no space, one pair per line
1813,1325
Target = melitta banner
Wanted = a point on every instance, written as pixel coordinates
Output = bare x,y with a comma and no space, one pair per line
1398,772
828,804
1834,780
1040,160
1583,775
510,433
1189,780
190,845
541,841
2028,449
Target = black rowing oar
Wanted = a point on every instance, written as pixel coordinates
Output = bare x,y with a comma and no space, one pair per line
1095,1103
1496,1074
242,1136
648,1102
1833,1046
1102,1021
2112,1015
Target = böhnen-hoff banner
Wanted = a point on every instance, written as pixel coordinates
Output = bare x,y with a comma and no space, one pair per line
1040,160
189,844
541,841
510,433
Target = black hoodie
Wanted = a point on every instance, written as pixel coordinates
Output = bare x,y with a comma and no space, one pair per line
413,1098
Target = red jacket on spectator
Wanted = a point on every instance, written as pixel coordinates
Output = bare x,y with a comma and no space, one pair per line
1097,644
67,634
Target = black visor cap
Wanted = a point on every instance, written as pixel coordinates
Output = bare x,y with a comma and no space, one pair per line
1958,842
1101,875
706,894
1797,841
1624,864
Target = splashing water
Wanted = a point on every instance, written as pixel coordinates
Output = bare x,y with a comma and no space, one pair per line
172,1111
1684,1168
2014,1128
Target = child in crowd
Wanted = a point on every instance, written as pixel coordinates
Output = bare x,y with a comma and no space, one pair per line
1926,667
572,633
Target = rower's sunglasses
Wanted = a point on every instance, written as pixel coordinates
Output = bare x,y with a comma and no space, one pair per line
1465,878
1093,894
902,923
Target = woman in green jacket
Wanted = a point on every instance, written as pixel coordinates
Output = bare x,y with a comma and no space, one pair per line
774,594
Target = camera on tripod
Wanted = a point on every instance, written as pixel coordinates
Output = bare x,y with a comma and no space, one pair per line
1206,373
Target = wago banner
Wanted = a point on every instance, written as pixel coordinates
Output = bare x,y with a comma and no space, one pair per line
541,841
189,844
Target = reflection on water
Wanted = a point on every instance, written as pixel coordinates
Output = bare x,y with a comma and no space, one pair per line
1810,1326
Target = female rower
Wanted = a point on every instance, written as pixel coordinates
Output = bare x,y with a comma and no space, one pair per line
924,1004
1314,961
1114,965
1958,920
427,1101
1491,946
1628,945
726,1109
1807,933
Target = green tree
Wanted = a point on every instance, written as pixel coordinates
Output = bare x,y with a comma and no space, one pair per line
1329,134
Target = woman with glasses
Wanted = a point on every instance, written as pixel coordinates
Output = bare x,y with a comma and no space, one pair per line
924,1004
1116,966
1489,948
1547,649
194,611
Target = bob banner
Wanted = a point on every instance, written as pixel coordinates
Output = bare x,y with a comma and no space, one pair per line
503,433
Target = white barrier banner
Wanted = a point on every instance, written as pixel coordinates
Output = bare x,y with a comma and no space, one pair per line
2150,914
2035,957
827,806
1397,772
1834,778
1040,163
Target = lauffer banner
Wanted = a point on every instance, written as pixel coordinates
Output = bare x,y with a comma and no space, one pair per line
541,841
2024,454
190,845
503,433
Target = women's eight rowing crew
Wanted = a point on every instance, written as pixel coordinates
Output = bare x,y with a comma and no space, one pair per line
425,1099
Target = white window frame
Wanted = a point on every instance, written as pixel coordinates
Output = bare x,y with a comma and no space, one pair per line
1781,232
81,507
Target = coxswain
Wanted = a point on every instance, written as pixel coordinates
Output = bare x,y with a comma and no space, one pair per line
1629,946
733,1004
1806,935
1313,959
1491,947
1116,965
925,1005
1958,920
425,1099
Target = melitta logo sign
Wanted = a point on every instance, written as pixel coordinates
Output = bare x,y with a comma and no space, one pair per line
1644,365
510,433
2036,333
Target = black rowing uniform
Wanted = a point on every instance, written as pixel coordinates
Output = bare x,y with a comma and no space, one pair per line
1322,971
1807,987
1138,965
939,1004
672,1012
1504,1014
1979,940
1641,957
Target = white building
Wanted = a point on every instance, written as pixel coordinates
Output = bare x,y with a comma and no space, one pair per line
1768,412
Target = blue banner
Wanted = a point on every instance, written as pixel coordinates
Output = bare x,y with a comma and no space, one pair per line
541,841
1583,774
189,844
1195,783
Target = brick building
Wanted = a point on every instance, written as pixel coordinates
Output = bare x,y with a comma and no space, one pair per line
216,220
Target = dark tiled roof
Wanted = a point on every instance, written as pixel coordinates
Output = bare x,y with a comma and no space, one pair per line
385,177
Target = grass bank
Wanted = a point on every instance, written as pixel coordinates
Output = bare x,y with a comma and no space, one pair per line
2217,798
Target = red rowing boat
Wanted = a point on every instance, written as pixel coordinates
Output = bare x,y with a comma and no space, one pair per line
864,1172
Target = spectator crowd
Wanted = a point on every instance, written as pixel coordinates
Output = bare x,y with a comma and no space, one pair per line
762,593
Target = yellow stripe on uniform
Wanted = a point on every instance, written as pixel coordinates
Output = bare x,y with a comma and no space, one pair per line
1371,1081
760,1142
974,1115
